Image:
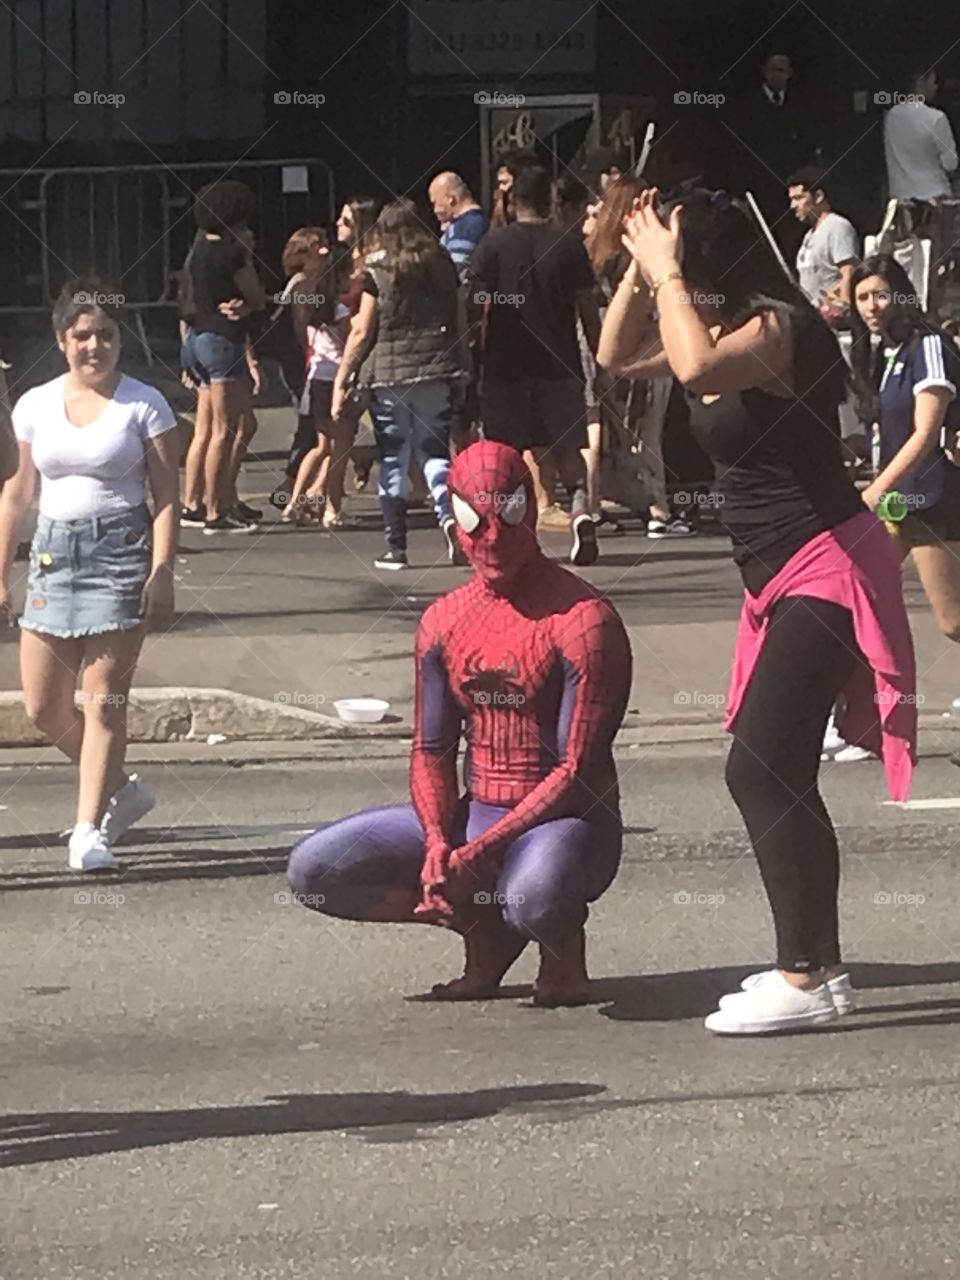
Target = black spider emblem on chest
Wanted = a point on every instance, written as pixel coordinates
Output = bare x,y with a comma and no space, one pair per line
493,687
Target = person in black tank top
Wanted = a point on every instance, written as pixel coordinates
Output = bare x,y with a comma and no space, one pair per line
705,300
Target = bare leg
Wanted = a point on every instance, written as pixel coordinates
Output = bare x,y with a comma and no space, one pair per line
939,571
197,453
591,461
241,445
562,979
228,400
343,433
110,661
544,478
49,669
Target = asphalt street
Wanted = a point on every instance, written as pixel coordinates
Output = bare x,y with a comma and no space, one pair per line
201,1079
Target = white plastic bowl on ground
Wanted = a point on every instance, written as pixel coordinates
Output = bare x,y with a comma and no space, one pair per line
362,710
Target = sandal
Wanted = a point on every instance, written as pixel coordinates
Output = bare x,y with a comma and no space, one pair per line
333,520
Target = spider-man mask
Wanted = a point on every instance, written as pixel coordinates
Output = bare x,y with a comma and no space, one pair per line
492,493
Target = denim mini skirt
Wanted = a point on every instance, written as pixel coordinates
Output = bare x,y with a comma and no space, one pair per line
86,576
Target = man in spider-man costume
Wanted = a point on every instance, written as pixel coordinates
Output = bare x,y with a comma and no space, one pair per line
533,668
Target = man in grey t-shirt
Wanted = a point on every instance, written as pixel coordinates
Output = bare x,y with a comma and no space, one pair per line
825,265
831,247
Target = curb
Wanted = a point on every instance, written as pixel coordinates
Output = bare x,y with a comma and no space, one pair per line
180,714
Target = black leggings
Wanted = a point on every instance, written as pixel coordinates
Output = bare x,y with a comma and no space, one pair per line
808,655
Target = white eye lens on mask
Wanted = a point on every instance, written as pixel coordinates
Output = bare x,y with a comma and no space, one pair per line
515,508
467,518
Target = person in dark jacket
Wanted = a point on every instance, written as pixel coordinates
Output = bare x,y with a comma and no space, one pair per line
409,336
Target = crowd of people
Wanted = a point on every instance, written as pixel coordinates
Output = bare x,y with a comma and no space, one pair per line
520,367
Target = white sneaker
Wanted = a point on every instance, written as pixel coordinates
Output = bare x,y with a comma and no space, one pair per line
676,527
832,742
773,1004
840,988
851,754
131,803
88,851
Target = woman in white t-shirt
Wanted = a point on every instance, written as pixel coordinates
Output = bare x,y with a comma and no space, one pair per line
101,565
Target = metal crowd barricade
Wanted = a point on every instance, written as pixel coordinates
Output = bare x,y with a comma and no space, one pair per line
133,225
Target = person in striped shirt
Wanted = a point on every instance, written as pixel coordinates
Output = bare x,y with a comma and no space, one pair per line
463,221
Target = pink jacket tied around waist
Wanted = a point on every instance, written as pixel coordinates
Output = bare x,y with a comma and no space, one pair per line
854,565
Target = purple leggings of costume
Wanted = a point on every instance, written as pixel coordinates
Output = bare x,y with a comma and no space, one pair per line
367,867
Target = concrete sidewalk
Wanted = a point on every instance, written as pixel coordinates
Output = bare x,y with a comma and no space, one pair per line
300,618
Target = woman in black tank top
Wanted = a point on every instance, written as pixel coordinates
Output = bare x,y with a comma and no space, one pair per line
705,300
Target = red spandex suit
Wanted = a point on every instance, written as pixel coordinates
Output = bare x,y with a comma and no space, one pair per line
532,668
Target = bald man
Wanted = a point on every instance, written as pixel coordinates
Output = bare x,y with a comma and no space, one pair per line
463,221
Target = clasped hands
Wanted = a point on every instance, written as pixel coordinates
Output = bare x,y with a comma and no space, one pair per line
447,884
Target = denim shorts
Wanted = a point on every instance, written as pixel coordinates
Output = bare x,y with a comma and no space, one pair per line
86,576
210,358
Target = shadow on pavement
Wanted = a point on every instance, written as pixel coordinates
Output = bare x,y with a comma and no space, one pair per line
157,865
693,993
389,1117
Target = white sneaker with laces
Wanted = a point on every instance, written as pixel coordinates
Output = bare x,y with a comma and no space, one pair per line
88,851
131,803
773,1004
840,988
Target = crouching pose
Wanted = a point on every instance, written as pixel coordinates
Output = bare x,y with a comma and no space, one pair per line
534,668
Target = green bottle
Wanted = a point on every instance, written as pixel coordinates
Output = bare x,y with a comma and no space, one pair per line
893,507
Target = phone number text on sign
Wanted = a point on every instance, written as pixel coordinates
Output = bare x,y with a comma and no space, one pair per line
458,37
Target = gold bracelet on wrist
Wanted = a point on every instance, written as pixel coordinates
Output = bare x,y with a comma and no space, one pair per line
672,275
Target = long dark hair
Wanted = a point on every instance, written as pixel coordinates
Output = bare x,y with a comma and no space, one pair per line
904,322
413,256
324,285
725,255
